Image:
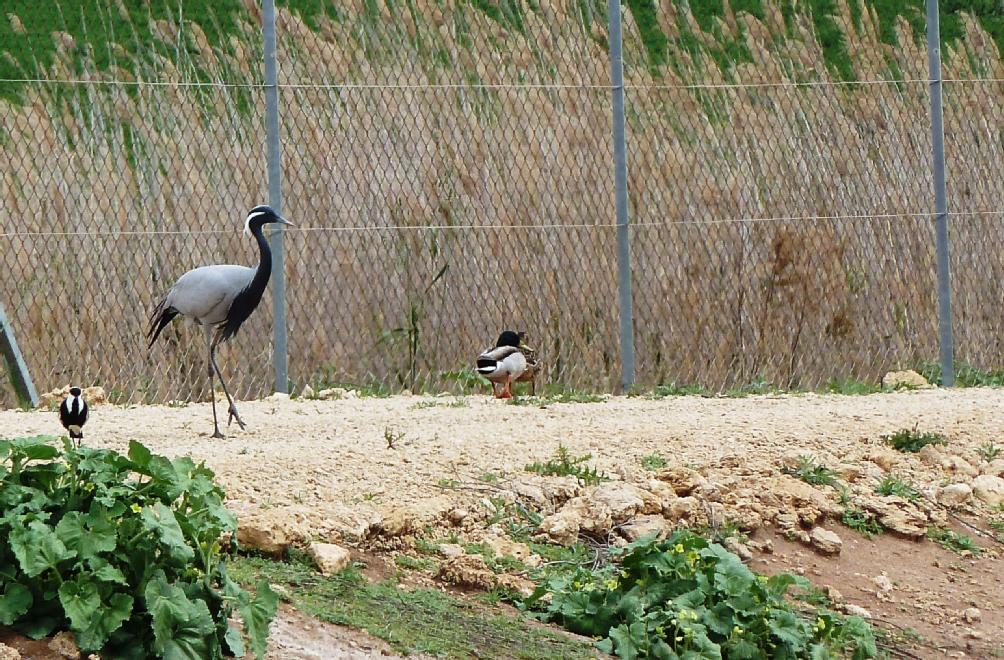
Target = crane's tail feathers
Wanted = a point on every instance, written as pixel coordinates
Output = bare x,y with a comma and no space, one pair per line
161,317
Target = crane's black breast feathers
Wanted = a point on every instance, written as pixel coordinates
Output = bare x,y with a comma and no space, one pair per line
240,309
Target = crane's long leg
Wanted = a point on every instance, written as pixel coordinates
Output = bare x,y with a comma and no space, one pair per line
233,407
212,384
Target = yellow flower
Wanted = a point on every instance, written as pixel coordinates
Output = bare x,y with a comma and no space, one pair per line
611,584
678,548
820,624
135,508
575,585
737,630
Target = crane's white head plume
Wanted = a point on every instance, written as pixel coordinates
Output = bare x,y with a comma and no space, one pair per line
262,215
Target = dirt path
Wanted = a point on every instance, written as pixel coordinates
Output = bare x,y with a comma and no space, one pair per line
327,465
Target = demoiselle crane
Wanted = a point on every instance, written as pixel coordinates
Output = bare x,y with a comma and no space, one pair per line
220,298
73,414
504,363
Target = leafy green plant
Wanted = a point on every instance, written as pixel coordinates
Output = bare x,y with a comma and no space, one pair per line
861,521
808,470
952,540
566,465
653,462
122,550
997,524
912,440
893,485
686,597
989,451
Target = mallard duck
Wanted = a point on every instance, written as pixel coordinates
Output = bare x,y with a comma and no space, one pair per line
507,363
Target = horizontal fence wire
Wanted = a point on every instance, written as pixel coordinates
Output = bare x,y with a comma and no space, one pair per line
781,228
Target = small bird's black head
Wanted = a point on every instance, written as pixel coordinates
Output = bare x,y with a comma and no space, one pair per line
75,391
510,338
260,216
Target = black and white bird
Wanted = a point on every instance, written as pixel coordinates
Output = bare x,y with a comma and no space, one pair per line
73,414
504,364
220,298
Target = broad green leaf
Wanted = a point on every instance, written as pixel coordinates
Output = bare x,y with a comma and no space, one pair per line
88,534
102,571
719,619
706,648
160,520
139,455
743,649
819,652
35,448
235,642
628,640
183,629
37,548
91,619
81,601
662,651
257,614
731,575
787,628
37,627
15,601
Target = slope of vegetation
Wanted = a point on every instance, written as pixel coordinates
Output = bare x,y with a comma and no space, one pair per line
118,36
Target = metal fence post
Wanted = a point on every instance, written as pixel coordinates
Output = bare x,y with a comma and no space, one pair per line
940,197
621,197
274,156
11,355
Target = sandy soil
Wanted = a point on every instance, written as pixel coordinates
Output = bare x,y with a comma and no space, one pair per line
323,463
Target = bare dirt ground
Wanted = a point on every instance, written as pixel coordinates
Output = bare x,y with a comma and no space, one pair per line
328,469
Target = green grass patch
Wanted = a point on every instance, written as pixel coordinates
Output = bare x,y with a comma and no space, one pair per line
912,441
808,470
861,521
893,485
653,462
412,621
988,451
565,465
954,541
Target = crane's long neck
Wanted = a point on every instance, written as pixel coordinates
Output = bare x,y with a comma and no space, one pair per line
247,300
264,271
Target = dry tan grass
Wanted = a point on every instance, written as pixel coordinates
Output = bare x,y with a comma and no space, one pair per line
794,301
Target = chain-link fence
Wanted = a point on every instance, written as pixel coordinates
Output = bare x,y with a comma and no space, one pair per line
451,173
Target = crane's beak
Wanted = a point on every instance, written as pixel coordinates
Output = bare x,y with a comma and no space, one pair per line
284,221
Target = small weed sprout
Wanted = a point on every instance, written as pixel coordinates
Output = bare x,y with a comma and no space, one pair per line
811,472
951,540
565,465
912,440
653,462
392,437
989,451
861,521
893,485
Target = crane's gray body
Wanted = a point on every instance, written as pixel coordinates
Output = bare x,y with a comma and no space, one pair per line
220,297
206,293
